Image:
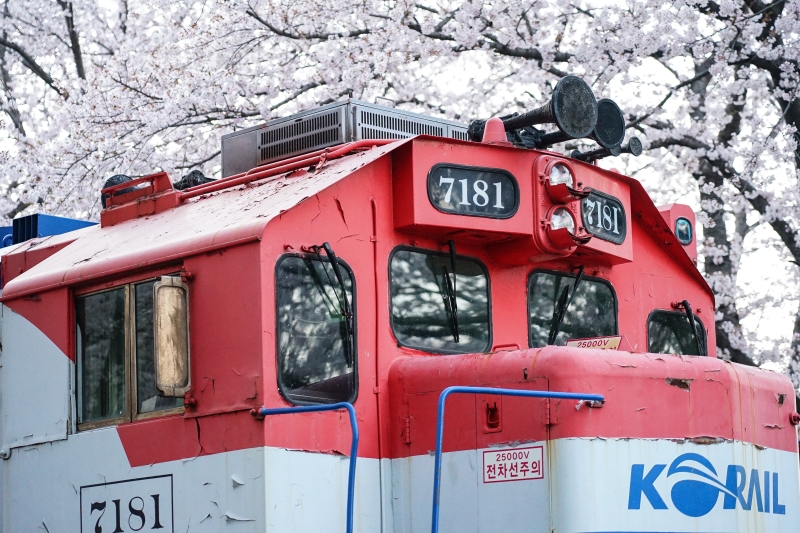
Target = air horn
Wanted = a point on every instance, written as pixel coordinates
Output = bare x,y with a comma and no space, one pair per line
634,147
573,109
609,132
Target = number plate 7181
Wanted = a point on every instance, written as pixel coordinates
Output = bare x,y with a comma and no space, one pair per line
473,191
604,217
143,504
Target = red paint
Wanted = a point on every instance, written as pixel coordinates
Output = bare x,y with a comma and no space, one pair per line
230,235
495,132
158,440
50,313
642,392
226,337
156,197
19,259
671,213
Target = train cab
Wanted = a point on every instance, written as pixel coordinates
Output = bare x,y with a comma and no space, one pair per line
168,368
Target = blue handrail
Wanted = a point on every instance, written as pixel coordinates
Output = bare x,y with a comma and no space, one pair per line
437,468
351,481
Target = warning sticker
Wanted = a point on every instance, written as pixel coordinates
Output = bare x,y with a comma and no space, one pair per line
513,464
602,343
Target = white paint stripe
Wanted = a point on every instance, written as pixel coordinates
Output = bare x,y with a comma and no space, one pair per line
35,381
255,490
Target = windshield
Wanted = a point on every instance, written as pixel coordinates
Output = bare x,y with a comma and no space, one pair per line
422,289
592,312
670,332
315,360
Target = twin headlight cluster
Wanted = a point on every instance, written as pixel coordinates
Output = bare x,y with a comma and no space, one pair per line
562,217
561,225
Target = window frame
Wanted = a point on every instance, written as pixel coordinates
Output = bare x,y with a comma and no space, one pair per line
131,389
489,310
353,306
673,312
573,276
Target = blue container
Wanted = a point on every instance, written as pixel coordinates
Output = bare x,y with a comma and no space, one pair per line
31,226
5,236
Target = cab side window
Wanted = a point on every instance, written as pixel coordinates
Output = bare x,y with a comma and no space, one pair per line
591,313
316,338
115,357
670,332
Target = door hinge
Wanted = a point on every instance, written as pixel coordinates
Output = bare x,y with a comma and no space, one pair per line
551,412
408,430
547,412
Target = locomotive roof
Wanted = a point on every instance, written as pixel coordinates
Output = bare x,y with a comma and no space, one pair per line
229,217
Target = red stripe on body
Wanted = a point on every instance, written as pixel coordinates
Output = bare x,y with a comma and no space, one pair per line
47,312
159,440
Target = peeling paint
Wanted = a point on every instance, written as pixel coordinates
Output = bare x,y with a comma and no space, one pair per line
230,517
680,383
341,212
705,440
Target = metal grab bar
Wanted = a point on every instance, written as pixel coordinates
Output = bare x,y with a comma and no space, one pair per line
351,481
437,468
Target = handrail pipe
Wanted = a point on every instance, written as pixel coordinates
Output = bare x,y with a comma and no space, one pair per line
351,480
437,468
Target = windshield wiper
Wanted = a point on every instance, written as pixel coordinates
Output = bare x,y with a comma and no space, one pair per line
701,349
450,288
560,310
344,303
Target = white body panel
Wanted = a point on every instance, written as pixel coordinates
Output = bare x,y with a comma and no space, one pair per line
588,484
36,382
307,492
257,490
596,479
468,504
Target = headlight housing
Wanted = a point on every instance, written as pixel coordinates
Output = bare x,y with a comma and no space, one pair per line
562,229
560,173
562,218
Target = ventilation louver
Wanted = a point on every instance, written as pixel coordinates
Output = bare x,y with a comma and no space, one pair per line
333,124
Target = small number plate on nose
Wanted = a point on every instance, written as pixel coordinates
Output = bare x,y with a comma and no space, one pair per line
142,504
604,217
473,191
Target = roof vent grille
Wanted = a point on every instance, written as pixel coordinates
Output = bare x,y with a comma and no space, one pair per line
397,125
459,134
349,120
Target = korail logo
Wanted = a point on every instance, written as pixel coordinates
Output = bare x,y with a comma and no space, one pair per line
696,487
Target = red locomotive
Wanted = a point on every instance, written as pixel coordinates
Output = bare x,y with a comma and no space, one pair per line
189,363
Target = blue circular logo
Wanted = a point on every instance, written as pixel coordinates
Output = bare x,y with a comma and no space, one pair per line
695,497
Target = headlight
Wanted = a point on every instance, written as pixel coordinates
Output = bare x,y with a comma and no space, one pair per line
562,218
560,174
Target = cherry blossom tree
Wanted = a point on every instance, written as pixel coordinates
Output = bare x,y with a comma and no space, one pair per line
102,88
